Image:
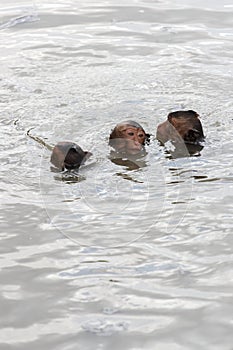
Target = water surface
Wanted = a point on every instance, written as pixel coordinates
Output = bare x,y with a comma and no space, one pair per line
113,257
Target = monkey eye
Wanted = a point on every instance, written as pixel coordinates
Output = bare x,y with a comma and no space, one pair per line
140,135
130,133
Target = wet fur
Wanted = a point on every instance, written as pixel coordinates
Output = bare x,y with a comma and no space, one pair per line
117,132
181,126
68,155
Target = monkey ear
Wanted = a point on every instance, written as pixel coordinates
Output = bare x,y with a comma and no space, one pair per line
147,140
173,120
170,117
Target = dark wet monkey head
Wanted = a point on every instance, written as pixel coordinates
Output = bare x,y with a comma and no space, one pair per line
188,125
128,137
181,126
68,155
184,130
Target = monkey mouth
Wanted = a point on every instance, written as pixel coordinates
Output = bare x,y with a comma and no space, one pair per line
134,150
126,146
133,146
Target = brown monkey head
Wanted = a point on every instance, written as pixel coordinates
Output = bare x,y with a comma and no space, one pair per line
128,137
184,130
68,155
188,126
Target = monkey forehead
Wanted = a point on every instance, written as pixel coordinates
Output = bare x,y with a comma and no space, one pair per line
131,123
128,128
65,146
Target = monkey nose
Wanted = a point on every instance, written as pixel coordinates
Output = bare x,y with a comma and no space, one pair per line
137,143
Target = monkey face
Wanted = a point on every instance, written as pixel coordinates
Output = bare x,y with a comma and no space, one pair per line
132,140
126,138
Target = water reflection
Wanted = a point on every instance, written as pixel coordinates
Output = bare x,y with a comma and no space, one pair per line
182,150
128,177
129,161
68,176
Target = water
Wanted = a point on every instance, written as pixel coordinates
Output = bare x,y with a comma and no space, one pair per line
115,258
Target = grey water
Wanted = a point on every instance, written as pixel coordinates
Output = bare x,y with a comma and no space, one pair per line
115,257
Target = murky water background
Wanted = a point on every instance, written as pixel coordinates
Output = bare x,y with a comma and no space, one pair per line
115,258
